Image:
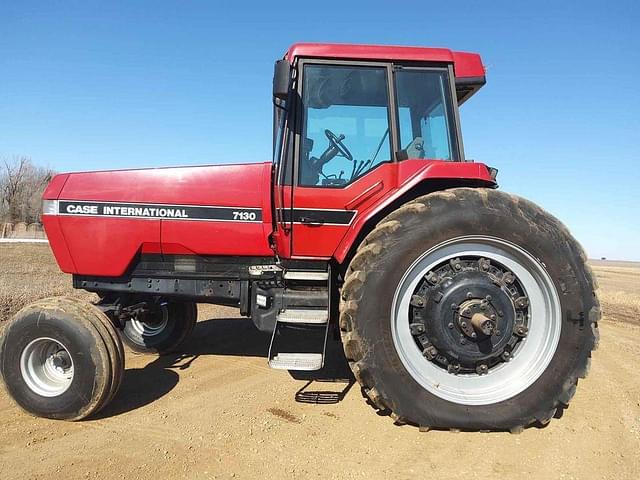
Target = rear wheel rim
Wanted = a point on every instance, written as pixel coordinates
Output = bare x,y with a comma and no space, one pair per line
46,367
529,360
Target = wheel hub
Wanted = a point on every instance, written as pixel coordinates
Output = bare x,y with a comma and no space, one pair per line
468,315
46,367
477,319
61,360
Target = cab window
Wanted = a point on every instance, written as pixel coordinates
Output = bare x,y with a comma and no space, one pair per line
345,124
424,114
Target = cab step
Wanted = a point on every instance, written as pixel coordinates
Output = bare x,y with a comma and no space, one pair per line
299,343
306,275
297,361
296,315
299,336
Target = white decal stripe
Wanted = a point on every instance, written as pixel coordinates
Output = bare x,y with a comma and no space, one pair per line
154,211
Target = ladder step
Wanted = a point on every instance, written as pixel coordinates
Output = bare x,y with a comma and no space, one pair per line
297,361
295,315
305,275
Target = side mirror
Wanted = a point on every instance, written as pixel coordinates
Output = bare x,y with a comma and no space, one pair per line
281,76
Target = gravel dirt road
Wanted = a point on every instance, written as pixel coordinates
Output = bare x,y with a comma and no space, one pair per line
218,411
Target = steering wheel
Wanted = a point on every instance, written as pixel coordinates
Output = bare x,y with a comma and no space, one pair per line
336,142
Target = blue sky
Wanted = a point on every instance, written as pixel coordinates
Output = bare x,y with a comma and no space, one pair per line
86,85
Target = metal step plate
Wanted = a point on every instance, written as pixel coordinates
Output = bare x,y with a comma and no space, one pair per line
297,361
305,275
295,315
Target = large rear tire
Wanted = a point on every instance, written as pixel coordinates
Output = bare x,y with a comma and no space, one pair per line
469,309
161,331
61,358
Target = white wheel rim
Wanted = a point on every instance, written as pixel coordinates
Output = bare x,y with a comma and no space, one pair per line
145,329
529,360
46,367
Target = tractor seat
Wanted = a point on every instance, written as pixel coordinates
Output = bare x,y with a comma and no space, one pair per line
416,148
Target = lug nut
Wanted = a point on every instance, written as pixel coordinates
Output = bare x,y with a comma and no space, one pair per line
416,328
450,325
430,352
417,301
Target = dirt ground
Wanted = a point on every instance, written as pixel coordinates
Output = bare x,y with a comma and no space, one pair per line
218,411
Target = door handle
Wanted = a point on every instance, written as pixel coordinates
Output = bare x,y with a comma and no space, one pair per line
309,220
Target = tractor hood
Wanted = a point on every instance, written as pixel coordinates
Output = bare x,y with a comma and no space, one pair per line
97,222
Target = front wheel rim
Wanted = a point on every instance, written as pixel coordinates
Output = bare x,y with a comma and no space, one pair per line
528,361
46,367
151,329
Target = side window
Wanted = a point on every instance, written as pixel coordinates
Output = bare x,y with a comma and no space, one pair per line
424,114
345,124
435,134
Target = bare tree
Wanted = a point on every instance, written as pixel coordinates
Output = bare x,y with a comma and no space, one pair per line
21,186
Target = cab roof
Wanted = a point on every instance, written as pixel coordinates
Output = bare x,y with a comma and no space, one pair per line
466,65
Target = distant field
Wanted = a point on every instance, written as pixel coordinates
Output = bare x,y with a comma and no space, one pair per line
619,290
29,272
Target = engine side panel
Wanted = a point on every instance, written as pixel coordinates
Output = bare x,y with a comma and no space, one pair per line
105,219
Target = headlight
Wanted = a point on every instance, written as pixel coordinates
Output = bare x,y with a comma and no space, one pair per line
50,207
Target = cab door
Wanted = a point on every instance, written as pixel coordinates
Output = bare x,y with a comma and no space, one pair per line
344,145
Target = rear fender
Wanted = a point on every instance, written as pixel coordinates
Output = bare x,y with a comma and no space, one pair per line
435,176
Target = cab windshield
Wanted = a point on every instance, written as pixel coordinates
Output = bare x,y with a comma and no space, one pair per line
346,120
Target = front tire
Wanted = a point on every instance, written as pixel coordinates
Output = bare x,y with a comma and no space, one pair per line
162,330
469,309
61,358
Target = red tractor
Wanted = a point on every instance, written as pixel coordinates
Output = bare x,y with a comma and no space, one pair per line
459,306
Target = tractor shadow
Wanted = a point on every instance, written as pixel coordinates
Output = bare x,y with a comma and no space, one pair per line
228,337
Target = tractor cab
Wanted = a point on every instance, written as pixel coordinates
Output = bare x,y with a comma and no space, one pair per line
345,118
